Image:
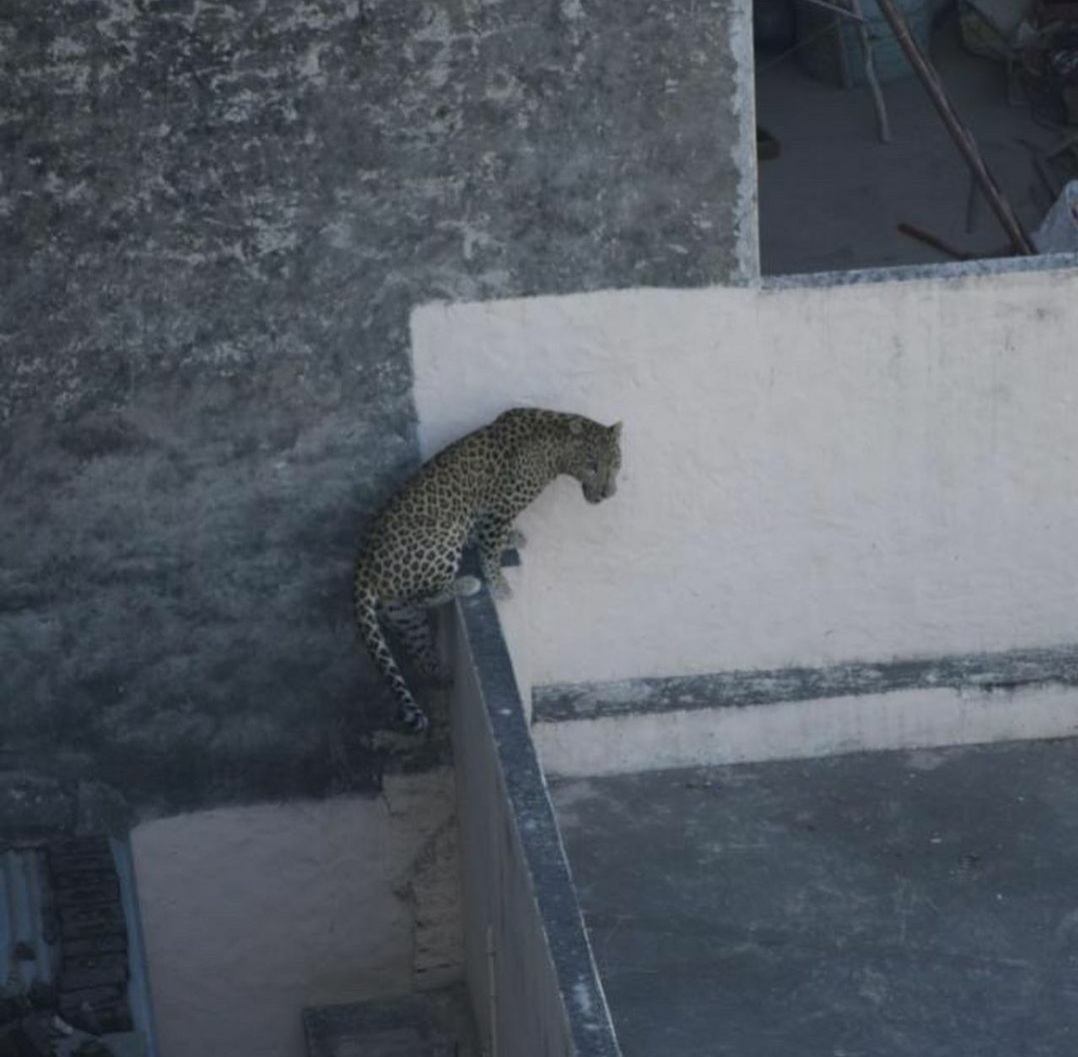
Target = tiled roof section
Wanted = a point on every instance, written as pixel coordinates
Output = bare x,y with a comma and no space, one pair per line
88,919
64,937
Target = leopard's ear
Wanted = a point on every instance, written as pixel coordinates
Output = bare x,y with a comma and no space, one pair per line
615,430
576,427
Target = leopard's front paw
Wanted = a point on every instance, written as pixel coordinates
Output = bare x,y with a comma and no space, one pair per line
516,539
466,586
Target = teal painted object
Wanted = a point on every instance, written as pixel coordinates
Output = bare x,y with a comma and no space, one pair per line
831,53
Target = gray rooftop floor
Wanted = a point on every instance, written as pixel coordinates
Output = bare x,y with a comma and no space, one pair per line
900,904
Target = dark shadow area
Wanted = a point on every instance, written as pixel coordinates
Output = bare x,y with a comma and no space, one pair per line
832,195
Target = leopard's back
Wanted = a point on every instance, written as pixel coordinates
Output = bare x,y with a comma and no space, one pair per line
470,492
415,542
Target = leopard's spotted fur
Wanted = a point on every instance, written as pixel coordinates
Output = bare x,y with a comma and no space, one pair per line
471,491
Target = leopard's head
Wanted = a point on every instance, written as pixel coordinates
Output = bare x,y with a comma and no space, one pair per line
596,458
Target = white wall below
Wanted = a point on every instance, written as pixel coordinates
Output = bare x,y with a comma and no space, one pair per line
252,913
811,474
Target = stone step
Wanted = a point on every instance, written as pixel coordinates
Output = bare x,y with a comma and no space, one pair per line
430,1024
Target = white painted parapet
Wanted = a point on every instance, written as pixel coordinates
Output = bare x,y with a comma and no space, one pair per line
811,473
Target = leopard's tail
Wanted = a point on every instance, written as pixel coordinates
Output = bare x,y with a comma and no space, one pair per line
370,630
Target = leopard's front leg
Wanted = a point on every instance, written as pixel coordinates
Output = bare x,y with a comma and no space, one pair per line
493,535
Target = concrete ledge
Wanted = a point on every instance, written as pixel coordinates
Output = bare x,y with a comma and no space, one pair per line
910,272
649,724
1015,669
528,964
432,1024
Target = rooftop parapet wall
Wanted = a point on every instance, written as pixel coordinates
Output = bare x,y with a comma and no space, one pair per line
812,473
528,963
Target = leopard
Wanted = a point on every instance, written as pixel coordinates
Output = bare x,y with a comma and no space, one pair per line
468,494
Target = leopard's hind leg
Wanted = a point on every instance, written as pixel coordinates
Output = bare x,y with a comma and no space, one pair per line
411,715
494,535
412,626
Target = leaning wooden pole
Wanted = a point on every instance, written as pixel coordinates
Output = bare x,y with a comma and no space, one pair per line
868,60
963,138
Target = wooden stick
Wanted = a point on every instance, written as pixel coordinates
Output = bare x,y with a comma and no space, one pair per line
843,58
930,240
869,60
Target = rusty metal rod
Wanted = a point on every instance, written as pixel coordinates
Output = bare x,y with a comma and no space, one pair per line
963,138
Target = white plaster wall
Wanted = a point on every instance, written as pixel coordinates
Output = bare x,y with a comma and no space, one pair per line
252,913
811,474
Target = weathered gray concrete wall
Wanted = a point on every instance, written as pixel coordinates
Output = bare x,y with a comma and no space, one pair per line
215,218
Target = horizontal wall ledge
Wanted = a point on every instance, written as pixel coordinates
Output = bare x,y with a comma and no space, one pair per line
742,716
1014,669
939,271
